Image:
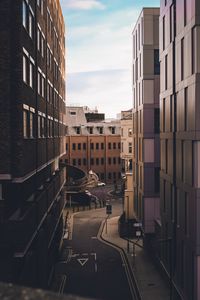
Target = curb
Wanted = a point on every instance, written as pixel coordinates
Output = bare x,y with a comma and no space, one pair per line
135,289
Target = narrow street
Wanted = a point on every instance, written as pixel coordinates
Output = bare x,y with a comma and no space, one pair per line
93,269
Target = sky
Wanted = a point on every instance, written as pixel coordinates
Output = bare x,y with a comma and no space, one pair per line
99,52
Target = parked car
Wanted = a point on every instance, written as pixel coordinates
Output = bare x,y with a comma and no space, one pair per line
101,184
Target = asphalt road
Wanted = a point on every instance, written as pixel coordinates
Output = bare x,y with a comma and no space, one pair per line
94,269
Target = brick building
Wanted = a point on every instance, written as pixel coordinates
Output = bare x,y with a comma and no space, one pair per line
93,144
32,111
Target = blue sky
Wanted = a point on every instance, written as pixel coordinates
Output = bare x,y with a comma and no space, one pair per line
99,52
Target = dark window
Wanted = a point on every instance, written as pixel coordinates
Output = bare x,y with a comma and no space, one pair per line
73,146
164,33
84,146
74,162
66,147
92,146
79,162
114,145
109,145
109,160
156,62
97,146
109,175
79,146
102,176
157,180
102,146
119,145
119,175
102,160
97,161
84,161
119,160
182,58
114,160
92,161
166,72
156,120
114,176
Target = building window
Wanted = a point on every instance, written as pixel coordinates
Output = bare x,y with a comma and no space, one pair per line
97,146
92,161
166,71
102,146
66,147
73,146
156,62
25,123
25,67
102,161
74,162
79,162
102,176
92,146
79,146
100,129
84,161
185,12
129,147
122,147
119,175
163,33
31,122
114,145
109,160
130,132
182,58
109,146
156,120
114,160
186,109
113,130
157,180
84,146
119,145
97,161
109,175
90,130
119,160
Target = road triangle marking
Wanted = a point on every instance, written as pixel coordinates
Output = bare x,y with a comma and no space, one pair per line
82,261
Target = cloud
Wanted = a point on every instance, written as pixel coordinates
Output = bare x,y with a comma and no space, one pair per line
108,90
82,4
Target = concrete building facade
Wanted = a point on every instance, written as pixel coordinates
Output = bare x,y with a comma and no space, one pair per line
127,158
180,152
146,87
32,129
93,144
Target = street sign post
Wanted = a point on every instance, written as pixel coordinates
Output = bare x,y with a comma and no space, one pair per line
108,209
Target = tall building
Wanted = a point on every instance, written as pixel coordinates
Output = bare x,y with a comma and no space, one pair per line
32,129
146,87
127,158
180,152
93,144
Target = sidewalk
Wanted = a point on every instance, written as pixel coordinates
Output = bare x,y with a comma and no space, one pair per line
150,283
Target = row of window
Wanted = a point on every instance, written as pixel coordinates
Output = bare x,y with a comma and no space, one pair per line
91,130
28,78
93,146
96,161
46,126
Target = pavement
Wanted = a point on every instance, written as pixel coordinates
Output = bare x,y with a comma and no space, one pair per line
150,283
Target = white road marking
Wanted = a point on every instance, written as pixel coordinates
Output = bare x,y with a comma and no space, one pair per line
95,267
82,261
94,237
95,256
